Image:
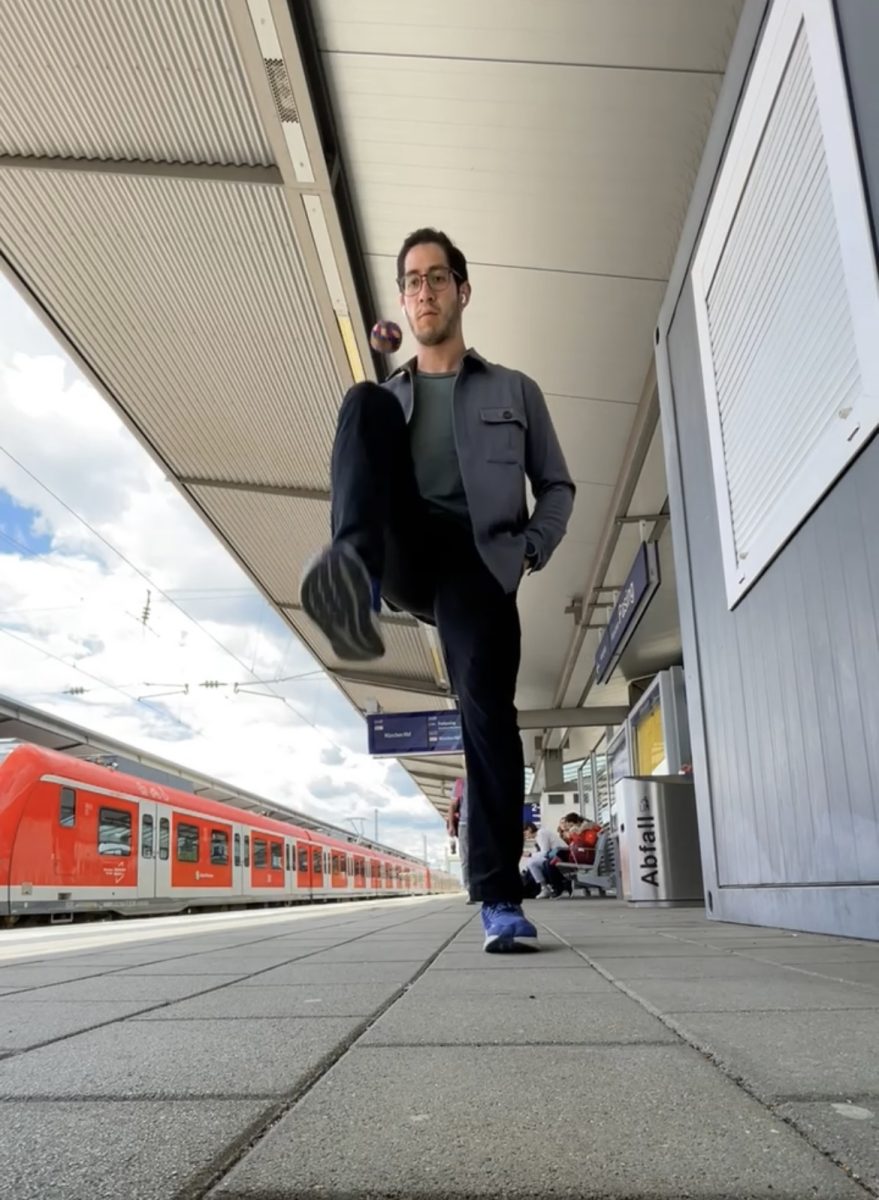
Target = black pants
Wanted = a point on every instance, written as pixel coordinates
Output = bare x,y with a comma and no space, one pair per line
429,566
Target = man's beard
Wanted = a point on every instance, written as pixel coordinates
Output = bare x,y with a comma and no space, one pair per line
437,335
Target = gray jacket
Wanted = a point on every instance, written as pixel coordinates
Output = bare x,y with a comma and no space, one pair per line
503,432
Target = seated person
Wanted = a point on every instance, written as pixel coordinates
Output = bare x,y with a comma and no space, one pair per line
580,836
547,843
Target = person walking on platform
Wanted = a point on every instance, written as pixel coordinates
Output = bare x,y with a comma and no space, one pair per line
456,823
429,512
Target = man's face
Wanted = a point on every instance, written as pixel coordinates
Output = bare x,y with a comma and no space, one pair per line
433,312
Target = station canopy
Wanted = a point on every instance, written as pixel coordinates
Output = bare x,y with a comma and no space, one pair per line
204,200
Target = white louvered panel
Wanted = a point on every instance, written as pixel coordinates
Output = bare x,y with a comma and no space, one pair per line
193,305
157,81
786,307
782,341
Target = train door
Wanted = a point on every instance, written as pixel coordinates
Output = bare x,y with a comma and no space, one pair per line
238,879
289,866
162,850
148,849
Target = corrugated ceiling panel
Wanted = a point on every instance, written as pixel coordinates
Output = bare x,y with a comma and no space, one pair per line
407,656
277,535
193,305
689,35
159,81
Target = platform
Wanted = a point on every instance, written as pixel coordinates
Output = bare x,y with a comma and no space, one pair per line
372,1050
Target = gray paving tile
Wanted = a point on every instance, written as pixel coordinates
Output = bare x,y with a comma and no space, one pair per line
28,976
184,1059
185,966
310,972
663,1123
74,1151
515,1020
515,980
790,991
848,1131
553,956
301,1000
804,955
120,989
790,941
365,952
600,948
833,1054
25,1024
693,967
864,973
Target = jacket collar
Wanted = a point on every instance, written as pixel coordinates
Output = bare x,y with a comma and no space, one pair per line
409,368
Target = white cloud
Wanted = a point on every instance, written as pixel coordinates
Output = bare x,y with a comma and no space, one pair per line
76,615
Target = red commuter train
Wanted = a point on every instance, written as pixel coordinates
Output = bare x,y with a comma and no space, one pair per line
76,837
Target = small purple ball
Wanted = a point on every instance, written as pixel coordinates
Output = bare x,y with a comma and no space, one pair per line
386,337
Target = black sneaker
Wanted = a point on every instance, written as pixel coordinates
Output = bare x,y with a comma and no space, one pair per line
336,592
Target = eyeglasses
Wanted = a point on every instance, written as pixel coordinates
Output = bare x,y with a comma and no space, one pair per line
438,279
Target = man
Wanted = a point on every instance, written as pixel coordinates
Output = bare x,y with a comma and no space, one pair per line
429,511
546,843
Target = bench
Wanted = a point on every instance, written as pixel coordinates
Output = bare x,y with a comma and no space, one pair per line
599,874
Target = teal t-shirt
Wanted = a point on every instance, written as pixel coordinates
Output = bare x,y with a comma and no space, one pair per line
432,440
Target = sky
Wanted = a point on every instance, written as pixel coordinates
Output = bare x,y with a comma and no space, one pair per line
117,604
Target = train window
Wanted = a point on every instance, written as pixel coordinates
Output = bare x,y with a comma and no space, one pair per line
219,847
164,838
247,849
187,843
237,845
67,810
146,836
114,832
303,860
277,856
289,858
316,862
350,865
260,853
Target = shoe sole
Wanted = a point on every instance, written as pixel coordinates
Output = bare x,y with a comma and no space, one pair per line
337,595
500,944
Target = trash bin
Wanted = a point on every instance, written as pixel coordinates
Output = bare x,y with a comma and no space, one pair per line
659,862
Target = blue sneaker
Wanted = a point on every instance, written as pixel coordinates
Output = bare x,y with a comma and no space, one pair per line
507,929
339,596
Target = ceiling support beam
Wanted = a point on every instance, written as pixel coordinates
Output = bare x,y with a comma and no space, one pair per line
201,172
264,489
396,683
572,718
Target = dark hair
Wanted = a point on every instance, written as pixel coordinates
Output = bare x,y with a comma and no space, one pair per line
427,237
531,825
574,817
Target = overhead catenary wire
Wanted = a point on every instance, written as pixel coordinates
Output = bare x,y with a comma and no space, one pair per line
166,596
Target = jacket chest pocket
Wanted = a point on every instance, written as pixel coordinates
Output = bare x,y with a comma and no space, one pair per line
503,433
